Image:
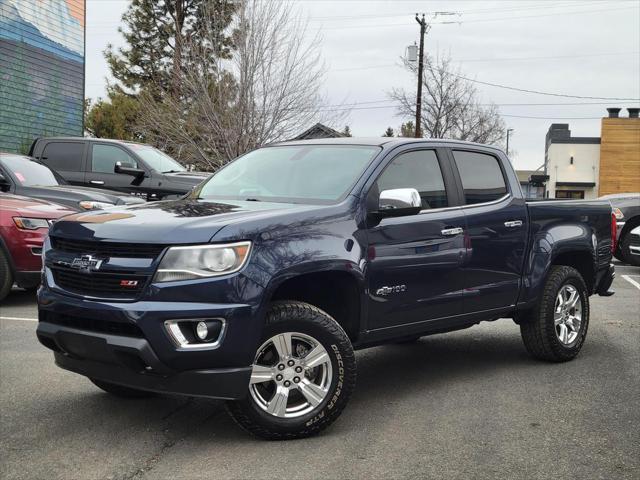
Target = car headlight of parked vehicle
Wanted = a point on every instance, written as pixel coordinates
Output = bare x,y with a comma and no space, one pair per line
24,223
91,205
202,261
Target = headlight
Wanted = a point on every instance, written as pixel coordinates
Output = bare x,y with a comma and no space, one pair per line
618,213
91,205
201,261
30,223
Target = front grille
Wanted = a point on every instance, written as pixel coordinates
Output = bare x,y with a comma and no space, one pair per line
634,240
99,284
108,249
92,325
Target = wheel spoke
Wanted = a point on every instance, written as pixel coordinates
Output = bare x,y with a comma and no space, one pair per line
557,318
260,374
573,299
278,404
559,301
283,345
312,392
564,333
316,357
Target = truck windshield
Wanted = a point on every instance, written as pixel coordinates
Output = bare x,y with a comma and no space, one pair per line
296,173
29,173
156,159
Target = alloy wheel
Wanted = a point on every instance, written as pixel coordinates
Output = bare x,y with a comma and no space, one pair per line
291,375
567,316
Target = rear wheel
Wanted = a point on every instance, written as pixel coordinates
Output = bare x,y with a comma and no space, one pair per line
556,329
6,276
119,390
303,375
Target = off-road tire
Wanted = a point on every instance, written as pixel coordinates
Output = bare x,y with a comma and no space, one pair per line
291,316
624,253
6,276
121,391
538,329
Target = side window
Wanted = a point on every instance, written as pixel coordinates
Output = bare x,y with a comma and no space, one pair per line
104,158
63,156
420,170
482,178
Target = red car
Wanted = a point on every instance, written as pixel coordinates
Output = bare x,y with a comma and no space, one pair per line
24,224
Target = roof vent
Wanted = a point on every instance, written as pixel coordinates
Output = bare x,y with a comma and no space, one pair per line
614,112
633,112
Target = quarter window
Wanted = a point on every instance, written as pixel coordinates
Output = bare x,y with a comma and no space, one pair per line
420,170
105,157
63,156
481,175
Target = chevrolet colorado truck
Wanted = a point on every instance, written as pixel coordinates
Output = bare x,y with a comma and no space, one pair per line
259,285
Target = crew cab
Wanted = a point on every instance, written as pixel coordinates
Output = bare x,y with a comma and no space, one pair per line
258,286
133,168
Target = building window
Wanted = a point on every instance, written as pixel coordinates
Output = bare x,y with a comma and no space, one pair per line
572,194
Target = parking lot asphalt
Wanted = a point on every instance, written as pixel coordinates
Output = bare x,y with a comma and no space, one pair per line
468,404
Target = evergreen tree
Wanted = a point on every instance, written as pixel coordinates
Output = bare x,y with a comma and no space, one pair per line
347,131
114,117
408,129
155,33
388,132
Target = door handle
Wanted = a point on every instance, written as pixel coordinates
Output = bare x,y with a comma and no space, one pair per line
96,182
449,232
513,224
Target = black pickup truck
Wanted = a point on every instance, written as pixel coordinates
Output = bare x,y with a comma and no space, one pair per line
259,286
132,168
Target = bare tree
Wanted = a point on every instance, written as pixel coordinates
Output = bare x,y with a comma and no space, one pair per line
269,90
450,105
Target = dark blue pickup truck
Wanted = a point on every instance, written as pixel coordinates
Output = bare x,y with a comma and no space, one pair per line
258,286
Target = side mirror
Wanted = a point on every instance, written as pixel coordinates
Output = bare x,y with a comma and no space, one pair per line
399,202
128,169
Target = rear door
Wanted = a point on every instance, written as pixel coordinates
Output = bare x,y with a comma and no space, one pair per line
414,271
496,230
101,164
67,158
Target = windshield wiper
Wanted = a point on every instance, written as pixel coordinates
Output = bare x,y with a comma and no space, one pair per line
252,200
172,171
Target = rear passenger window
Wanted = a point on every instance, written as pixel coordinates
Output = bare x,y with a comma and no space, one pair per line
104,158
63,156
419,170
481,176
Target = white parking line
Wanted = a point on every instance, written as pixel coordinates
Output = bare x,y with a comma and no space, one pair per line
20,319
631,281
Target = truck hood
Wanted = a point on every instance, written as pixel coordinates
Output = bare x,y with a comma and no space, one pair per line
168,222
72,194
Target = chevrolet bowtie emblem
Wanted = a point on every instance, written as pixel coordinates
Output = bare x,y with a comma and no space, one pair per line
86,263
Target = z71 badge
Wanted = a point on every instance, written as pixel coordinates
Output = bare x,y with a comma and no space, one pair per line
388,290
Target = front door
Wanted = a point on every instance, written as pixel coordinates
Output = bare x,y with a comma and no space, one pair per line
496,230
101,165
414,261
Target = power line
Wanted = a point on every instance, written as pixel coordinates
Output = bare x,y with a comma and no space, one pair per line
538,92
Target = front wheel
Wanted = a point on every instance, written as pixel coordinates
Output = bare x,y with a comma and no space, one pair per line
303,375
556,329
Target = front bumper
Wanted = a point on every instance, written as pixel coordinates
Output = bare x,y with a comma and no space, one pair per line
128,344
132,362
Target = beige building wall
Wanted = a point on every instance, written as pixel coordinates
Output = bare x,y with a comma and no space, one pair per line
583,173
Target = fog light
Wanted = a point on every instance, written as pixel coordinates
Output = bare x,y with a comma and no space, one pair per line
202,330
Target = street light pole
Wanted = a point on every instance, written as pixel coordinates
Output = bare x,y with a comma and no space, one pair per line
508,131
423,29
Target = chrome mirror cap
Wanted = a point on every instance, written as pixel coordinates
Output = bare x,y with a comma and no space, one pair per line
399,199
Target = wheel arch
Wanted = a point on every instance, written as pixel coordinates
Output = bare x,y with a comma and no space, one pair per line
334,289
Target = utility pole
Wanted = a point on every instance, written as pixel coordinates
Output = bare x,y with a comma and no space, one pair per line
508,131
423,29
